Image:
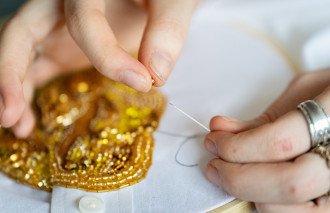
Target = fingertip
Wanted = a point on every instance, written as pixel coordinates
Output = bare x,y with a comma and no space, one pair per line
125,69
210,145
11,112
222,123
10,117
164,36
160,66
160,48
215,123
24,126
135,80
212,174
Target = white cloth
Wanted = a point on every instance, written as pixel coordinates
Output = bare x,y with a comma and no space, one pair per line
222,71
295,25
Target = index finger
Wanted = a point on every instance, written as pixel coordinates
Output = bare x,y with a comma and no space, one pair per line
90,29
284,139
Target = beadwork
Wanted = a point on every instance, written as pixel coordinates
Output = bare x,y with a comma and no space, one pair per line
92,133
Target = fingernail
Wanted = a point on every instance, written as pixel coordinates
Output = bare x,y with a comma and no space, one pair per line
160,66
134,80
210,146
212,175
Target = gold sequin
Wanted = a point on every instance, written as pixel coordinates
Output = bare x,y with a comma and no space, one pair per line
92,133
82,87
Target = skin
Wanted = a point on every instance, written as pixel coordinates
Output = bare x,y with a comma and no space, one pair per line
47,38
266,160
263,160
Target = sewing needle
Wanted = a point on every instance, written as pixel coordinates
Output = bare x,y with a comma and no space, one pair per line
190,117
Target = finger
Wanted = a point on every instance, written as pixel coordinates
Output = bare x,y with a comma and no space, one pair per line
25,124
32,23
320,206
226,124
304,179
308,207
281,140
284,139
164,36
12,100
89,27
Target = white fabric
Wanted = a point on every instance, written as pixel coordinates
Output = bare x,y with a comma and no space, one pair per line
316,51
18,198
290,23
222,71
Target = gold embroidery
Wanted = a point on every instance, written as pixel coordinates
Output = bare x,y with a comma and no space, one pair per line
93,134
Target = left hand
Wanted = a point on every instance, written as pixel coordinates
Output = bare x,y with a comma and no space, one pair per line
266,160
46,38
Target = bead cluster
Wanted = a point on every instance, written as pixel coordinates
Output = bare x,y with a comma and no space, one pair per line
93,134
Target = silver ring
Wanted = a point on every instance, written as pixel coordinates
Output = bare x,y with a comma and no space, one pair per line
318,122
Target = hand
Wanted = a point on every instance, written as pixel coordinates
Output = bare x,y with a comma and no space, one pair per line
46,38
266,160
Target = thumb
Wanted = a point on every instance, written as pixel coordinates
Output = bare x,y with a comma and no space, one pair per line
222,123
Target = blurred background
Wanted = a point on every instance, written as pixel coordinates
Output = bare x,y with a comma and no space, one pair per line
9,6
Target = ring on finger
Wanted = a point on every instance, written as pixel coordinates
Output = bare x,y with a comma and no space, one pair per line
318,122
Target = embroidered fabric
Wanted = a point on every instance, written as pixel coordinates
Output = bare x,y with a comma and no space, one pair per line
91,133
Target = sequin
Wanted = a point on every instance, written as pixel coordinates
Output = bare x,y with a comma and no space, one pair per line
92,133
